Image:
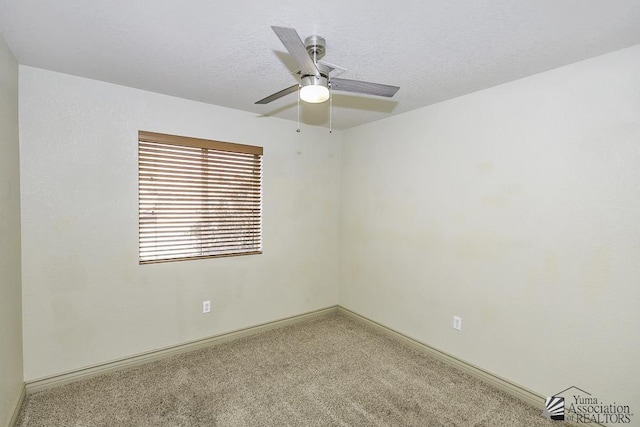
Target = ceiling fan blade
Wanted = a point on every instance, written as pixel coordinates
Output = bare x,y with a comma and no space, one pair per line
278,95
291,40
367,88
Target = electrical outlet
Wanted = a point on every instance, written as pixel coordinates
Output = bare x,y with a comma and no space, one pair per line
206,306
457,323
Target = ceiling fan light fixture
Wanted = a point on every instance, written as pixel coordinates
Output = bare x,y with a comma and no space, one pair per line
314,86
314,89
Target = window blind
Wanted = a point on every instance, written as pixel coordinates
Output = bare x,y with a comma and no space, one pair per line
197,198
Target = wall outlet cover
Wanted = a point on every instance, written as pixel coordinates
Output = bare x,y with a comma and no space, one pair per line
457,323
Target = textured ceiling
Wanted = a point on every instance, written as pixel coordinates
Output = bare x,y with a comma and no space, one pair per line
225,53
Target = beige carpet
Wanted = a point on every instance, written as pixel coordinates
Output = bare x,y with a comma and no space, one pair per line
330,371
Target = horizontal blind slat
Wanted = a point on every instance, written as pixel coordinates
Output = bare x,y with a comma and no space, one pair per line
147,239
185,244
146,260
199,251
195,175
163,158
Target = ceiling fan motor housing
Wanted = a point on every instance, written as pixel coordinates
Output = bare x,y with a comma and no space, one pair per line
314,81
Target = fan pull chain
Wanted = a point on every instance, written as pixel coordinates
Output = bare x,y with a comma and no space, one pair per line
298,129
330,109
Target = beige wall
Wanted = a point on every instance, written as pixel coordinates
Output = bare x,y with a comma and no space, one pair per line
516,208
10,291
86,299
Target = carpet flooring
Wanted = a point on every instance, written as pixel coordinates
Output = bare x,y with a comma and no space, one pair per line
327,371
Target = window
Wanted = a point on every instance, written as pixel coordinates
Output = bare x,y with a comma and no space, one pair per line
197,198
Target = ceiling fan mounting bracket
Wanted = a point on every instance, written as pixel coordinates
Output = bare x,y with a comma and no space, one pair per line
316,46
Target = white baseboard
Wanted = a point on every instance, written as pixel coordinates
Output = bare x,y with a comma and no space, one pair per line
500,383
18,408
150,356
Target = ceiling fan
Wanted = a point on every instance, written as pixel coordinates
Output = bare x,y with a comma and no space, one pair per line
314,74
